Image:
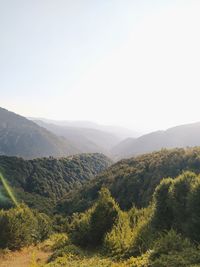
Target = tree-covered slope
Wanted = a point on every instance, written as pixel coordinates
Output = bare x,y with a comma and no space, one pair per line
22,137
133,181
44,180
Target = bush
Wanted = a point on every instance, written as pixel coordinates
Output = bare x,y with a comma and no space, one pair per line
103,217
18,227
163,216
90,228
44,226
171,249
178,194
80,229
119,239
141,261
193,218
60,224
54,242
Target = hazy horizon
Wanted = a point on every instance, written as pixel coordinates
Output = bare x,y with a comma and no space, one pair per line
133,64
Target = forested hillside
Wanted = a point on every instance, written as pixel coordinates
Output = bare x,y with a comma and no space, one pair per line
139,212
41,182
24,138
133,181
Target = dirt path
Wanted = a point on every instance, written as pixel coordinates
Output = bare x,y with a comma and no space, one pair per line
24,258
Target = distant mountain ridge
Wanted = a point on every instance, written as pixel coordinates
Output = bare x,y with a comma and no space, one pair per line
180,136
118,131
28,139
87,140
24,138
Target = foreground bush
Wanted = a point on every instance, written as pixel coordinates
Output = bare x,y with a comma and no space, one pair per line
18,227
117,242
21,227
175,251
105,214
90,228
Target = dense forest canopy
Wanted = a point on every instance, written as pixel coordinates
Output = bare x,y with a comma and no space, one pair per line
46,180
133,181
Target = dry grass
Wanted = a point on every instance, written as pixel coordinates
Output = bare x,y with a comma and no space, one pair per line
24,258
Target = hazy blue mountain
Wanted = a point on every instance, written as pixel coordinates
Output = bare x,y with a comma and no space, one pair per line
118,131
87,140
180,136
22,137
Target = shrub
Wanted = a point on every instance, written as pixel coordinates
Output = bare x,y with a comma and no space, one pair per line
90,228
141,261
67,250
103,217
178,194
163,216
171,249
193,218
44,226
80,229
119,239
18,227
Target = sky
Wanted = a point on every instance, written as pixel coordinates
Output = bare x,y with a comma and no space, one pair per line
133,63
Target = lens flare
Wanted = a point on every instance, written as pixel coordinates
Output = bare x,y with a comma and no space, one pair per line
8,190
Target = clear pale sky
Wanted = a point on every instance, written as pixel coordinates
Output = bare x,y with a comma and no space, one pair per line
134,63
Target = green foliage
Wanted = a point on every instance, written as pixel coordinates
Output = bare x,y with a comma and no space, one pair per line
54,242
179,192
41,182
163,234
163,211
60,224
177,205
171,249
87,261
144,236
68,249
117,242
193,207
44,226
21,227
89,228
133,181
103,217
140,261
80,229
18,227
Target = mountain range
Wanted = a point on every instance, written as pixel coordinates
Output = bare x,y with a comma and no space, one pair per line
87,140
187,135
35,138
24,138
